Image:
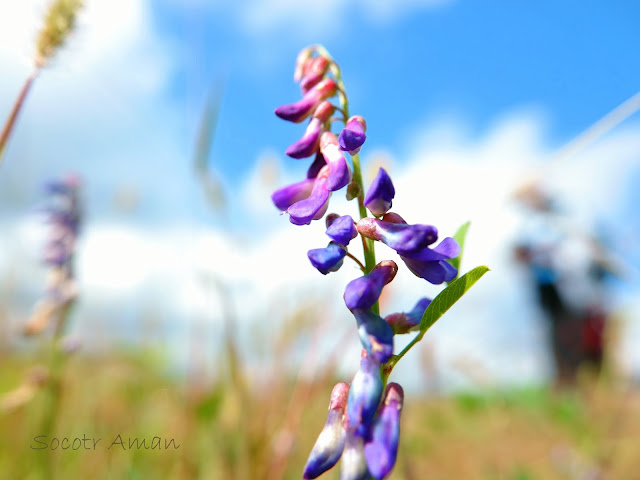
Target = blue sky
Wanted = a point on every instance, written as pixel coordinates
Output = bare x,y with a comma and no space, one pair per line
463,101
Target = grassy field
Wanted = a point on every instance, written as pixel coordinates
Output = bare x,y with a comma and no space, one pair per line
230,431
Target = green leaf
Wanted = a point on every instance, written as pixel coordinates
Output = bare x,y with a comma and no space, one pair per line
449,296
459,236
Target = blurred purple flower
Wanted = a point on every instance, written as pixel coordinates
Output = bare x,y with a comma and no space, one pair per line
328,447
327,259
380,194
342,230
381,447
352,136
363,292
314,71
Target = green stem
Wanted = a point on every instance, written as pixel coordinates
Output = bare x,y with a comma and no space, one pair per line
11,121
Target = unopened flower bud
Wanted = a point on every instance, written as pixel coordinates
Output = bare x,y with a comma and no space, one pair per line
342,230
381,447
352,135
329,219
315,69
353,190
328,447
327,259
301,60
380,194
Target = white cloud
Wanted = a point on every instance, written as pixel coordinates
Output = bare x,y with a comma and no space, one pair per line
310,16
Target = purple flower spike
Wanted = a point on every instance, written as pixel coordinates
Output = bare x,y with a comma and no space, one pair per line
284,197
401,237
376,335
308,144
328,447
380,194
352,135
327,259
404,322
342,230
381,448
363,292
340,172
364,396
315,205
354,463
297,112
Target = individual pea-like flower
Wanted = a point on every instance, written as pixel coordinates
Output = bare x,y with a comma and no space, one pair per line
364,396
398,236
342,230
354,464
308,144
411,242
327,259
328,447
340,174
298,111
352,136
380,194
363,292
376,335
315,205
381,447
314,71
404,322
431,263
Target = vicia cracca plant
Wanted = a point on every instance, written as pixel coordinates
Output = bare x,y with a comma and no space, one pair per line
363,426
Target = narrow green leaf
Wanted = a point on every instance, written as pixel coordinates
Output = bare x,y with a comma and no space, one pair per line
460,236
449,296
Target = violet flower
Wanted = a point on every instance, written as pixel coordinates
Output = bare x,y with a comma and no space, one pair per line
399,236
340,174
404,322
308,144
327,259
352,135
375,334
354,464
380,194
363,292
381,447
342,230
428,263
328,447
298,111
315,205
284,197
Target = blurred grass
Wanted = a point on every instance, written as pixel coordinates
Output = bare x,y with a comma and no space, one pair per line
522,434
